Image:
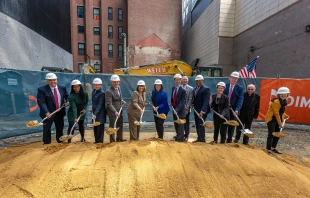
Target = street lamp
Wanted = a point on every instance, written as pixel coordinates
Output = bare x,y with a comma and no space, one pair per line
125,50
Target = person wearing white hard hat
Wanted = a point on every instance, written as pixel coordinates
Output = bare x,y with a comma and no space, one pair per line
51,97
248,112
114,102
274,118
98,110
178,101
220,104
136,108
201,99
189,97
159,100
235,94
78,103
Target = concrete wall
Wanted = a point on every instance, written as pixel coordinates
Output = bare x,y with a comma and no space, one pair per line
22,48
280,41
154,31
201,40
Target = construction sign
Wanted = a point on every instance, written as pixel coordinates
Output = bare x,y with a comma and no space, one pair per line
298,103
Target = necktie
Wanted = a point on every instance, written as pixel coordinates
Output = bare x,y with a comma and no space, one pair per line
174,101
230,92
197,90
56,98
117,91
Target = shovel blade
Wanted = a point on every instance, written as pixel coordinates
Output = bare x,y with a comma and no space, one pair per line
278,134
208,125
33,123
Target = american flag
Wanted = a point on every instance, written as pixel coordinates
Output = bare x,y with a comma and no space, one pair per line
249,71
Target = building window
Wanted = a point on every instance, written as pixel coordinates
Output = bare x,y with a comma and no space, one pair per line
97,68
120,31
120,14
110,31
96,13
80,66
80,11
120,50
110,50
80,29
81,48
96,31
97,49
110,13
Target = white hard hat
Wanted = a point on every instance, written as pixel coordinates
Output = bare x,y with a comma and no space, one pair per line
235,74
115,77
50,76
97,81
199,77
221,84
158,82
141,82
283,90
75,82
177,76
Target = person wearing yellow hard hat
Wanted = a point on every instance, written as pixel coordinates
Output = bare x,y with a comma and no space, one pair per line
274,118
78,100
51,97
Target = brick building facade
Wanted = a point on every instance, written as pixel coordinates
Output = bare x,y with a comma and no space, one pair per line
95,29
154,31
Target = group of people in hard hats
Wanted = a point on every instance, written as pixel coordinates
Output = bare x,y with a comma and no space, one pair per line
230,102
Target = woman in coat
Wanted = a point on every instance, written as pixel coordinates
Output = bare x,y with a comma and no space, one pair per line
78,100
220,104
98,110
159,99
274,118
135,109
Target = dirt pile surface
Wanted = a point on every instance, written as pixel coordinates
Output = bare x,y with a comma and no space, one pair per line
150,168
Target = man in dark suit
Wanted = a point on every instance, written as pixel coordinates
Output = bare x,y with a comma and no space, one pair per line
178,100
248,112
114,101
201,99
235,97
51,97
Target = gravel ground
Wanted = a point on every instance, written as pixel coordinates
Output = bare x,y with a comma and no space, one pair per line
297,141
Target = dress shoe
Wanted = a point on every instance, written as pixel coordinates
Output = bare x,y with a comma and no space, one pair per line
175,137
276,151
69,141
228,141
83,140
236,141
185,139
123,140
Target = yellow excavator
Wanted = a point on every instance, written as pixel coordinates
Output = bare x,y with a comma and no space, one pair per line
163,68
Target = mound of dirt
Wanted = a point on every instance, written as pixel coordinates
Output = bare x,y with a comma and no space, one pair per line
150,168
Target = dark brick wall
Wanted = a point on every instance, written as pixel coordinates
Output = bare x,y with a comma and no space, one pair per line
280,41
226,55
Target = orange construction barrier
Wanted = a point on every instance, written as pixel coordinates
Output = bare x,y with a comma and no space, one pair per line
298,103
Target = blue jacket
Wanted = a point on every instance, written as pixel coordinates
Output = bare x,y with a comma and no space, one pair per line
46,102
98,106
201,99
181,102
236,99
161,101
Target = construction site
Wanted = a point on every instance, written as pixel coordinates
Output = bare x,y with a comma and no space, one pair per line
81,41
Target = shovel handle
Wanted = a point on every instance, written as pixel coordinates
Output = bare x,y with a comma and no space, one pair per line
176,114
237,118
219,115
283,124
153,107
199,116
57,110
120,110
